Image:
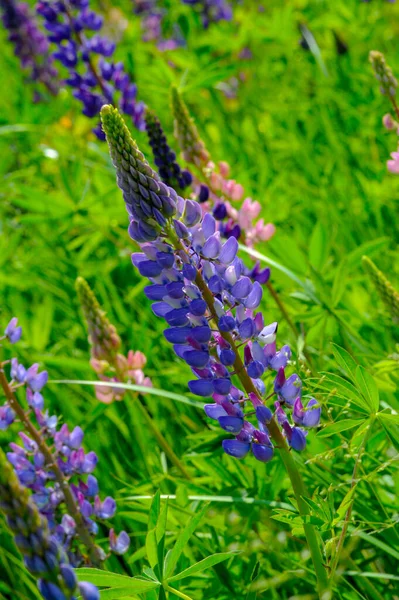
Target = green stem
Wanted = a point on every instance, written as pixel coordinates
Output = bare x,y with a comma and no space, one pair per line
163,443
348,514
95,553
149,421
289,463
176,592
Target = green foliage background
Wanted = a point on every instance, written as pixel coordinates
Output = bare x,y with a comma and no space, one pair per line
304,136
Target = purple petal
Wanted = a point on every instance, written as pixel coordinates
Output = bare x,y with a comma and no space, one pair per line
262,452
201,387
212,247
255,296
208,225
242,288
298,439
214,411
229,251
236,448
311,418
231,424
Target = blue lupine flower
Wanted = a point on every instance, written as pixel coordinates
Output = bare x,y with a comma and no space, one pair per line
94,81
35,473
30,44
212,11
164,157
12,331
199,284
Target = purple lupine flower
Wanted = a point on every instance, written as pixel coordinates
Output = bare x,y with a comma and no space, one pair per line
152,13
200,288
43,556
75,30
36,472
164,157
212,11
30,44
12,331
118,543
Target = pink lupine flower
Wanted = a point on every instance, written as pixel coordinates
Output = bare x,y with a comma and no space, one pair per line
393,165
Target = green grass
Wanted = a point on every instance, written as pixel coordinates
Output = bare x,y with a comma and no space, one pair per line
311,148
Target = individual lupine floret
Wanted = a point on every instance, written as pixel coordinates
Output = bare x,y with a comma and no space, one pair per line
106,359
215,190
199,286
43,556
386,291
30,44
164,157
75,29
61,481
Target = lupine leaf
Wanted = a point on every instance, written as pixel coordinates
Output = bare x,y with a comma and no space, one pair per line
114,581
339,426
368,387
174,555
202,565
345,361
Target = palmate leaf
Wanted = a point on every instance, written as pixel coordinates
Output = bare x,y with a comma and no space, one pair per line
183,538
339,426
112,581
345,361
202,565
368,388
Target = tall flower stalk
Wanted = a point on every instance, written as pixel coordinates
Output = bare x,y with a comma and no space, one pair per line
198,286
75,29
43,556
113,367
30,44
53,464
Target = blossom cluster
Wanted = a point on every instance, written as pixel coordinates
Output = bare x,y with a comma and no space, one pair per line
388,85
215,189
107,360
62,483
153,16
199,286
212,11
75,29
30,44
43,556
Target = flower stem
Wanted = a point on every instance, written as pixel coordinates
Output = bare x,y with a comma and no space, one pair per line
95,553
163,443
176,592
279,440
348,514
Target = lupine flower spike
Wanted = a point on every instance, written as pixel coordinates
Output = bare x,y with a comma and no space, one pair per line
30,44
388,85
74,29
52,463
199,287
44,557
106,358
113,367
386,291
164,157
212,11
214,189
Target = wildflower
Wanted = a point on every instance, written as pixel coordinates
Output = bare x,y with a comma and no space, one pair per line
152,13
393,164
383,74
199,286
62,485
12,331
75,30
30,44
43,556
212,11
106,360
214,189
164,157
